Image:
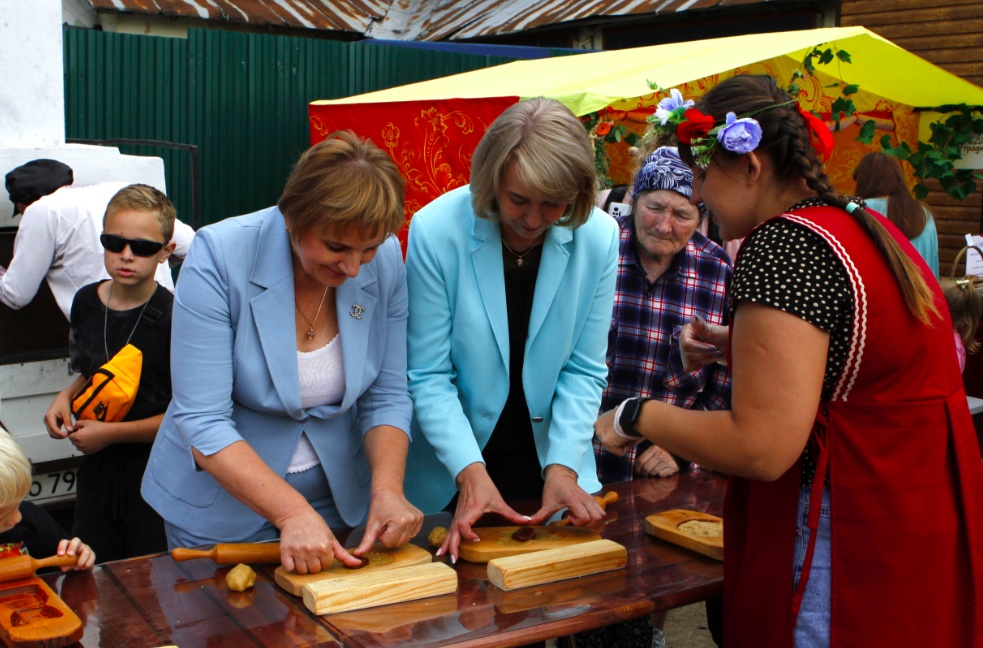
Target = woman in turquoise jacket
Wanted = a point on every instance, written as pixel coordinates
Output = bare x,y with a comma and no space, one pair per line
882,184
511,282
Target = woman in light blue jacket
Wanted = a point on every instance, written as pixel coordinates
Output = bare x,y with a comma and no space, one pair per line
290,403
511,283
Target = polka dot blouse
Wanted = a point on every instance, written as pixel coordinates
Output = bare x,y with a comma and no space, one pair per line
787,266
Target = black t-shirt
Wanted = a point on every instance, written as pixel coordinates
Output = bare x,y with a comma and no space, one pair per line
93,333
38,532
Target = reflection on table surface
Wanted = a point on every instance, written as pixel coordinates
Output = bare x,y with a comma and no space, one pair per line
155,601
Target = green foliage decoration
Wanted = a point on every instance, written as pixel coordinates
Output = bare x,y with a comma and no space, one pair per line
603,131
960,125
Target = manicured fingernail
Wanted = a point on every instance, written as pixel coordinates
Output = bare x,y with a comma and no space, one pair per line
453,560
526,518
440,552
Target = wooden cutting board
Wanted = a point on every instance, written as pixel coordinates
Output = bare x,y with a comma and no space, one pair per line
372,589
672,526
410,613
550,565
33,616
381,558
497,542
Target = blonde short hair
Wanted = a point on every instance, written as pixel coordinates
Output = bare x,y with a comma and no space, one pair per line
15,471
141,197
343,181
552,155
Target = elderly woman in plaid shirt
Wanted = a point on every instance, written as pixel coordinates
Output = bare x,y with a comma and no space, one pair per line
668,272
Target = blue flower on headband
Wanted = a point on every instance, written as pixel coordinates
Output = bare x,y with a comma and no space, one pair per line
739,135
671,104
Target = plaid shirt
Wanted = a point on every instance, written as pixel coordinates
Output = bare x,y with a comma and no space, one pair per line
643,352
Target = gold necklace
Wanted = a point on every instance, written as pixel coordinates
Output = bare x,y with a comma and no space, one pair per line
517,255
310,331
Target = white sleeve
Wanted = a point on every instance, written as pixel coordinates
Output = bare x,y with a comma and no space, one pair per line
34,250
183,235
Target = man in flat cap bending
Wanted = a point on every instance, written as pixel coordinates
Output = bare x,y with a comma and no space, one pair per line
58,238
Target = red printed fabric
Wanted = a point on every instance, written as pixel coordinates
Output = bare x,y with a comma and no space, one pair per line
431,141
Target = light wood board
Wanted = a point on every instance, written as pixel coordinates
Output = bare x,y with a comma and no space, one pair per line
665,525
381,558
379,588
497,542
552,565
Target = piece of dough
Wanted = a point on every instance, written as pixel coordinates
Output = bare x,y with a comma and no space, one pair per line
240,578
436,537
702,528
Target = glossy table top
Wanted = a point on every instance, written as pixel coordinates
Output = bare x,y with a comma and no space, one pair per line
155,601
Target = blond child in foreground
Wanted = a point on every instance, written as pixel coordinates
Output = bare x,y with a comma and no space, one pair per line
24,527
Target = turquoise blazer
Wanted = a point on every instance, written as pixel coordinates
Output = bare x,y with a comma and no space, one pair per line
459,343
235,377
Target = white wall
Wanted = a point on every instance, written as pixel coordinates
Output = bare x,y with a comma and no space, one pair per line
32,102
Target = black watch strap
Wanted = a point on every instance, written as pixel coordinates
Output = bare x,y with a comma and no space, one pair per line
629,416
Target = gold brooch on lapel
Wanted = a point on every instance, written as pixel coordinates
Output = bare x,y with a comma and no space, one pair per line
356,311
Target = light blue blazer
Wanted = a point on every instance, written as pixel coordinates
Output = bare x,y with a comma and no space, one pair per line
235,377
459,343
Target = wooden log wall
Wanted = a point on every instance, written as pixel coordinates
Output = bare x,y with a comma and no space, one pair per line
948,33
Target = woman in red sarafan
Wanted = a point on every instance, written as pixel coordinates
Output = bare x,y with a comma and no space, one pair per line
854,512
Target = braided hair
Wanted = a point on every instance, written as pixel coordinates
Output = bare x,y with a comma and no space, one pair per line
786,139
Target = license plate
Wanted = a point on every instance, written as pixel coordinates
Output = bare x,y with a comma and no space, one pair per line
52,486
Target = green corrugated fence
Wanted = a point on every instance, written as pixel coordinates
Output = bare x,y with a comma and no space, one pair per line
240,98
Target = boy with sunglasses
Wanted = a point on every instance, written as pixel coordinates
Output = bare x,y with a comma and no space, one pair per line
130,308
58,236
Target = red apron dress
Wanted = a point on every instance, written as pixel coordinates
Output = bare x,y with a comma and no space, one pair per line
905,476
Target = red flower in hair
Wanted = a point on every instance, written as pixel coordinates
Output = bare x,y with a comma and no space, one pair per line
603,128
819,135
696,126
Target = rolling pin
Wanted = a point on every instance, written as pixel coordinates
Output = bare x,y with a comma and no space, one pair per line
609,497
18,567
263,553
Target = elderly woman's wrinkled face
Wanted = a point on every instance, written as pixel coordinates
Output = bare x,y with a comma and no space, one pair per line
524,216
332,255
664,222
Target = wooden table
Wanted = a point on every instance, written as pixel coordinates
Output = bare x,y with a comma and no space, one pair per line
154,601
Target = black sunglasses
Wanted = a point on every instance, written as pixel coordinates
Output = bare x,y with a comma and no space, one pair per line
139,247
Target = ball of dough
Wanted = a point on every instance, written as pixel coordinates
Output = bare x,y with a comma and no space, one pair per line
240,578
437,536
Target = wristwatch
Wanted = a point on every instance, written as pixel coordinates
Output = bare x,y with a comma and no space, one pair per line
629,415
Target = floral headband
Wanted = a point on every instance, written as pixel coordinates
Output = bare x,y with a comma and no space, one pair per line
737,134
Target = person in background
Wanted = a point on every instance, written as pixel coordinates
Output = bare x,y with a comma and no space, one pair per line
667,273
511,283
844,377
58,237
24,527
130,308
290,416
965,306
882,185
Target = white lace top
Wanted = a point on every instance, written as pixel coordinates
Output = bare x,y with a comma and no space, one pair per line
322,382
